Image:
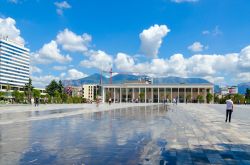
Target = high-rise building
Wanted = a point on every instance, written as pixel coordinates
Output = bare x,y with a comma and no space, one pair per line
14,64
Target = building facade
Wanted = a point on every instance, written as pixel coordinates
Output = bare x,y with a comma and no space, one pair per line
89,91
14,65
228,90
156,93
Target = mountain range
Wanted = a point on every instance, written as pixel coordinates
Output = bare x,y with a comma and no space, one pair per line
121,78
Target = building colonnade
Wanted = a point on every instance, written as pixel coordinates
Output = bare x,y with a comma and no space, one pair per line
155,93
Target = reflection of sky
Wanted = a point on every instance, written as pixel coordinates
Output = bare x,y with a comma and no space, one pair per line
96,138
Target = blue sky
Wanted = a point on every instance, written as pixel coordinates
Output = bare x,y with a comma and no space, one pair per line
187,38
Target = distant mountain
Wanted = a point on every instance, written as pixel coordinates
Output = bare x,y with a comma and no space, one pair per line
172,80
243,87
121,78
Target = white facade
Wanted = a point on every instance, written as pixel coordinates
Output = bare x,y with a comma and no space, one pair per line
89,91
14,64
156,92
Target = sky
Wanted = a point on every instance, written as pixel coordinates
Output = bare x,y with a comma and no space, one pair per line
72,39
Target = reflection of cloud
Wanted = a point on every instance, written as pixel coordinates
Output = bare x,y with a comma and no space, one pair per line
14,139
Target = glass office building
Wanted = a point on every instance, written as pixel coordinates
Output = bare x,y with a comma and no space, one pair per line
14,64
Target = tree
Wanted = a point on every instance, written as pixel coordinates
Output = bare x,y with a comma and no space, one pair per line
28,88
58,98
247,95
216,98
19,96
60,87
142,96
188,97
209,97
52,87
200,98
36,93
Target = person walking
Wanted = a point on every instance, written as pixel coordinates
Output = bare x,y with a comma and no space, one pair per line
229,109
110,100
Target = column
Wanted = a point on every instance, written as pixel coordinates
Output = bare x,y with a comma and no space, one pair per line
139,95
120,95
103,94
126,94
171,95
158,96
152,94
114,95
191,95
198,94
178,96
185,95
133,94
145,95
165,94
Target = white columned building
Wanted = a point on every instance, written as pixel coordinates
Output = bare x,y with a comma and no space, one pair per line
158,93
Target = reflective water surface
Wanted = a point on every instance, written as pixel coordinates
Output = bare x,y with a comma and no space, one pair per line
120,136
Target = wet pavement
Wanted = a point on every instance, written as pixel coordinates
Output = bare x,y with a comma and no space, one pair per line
183,134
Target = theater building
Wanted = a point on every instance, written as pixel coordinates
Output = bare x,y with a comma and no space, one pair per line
156,93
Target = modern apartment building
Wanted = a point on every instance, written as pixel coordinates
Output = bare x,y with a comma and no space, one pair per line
14,64
89,91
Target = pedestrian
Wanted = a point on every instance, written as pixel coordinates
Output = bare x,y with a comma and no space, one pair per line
36,101
229,109
245,102
97,101
110,100
176,100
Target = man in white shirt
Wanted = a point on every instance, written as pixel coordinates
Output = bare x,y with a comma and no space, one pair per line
229,104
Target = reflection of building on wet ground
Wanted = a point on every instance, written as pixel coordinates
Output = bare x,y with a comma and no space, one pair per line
138,92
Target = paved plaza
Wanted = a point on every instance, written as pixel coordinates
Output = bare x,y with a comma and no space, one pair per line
124,134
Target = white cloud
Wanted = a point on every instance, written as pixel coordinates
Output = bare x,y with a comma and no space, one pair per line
196,47
61,6
151,39
214,32
180,1
124,62
8,28
74,74
60,68
50,53
72,42
98,59
217,68
35,69
43,81
244,59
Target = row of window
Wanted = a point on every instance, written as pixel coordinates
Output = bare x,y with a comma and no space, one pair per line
14,74
20,49
11,63
15,55
11,59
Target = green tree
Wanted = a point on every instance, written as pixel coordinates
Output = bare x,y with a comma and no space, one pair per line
57,97
188,97
18,96
209,97
200,98
64,97
28,88
36,93
52,87
2,95
216,98
60,87
247,94
142,96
